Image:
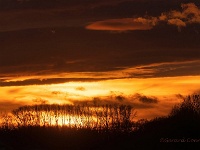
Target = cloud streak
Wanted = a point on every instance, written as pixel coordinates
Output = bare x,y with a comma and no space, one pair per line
123,24
190,14
164,69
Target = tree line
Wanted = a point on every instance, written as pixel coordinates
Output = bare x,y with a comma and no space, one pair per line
78,116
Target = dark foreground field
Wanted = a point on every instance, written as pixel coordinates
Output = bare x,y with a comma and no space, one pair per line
179,130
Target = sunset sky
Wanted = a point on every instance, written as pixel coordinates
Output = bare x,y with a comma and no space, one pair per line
145,53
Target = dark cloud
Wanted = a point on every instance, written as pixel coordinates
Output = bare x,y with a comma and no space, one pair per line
80,88
30,14
38,43
137,101
24,4
38,53
49,81
40,101
145,99
30,19
56,92
120,98
22,15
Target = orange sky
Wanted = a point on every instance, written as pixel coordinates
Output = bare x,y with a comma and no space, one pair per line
165,89
139,52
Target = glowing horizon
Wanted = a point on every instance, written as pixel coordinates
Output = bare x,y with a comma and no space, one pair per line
164,89
99,51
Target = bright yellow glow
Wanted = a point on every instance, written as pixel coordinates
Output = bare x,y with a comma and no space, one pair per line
163,88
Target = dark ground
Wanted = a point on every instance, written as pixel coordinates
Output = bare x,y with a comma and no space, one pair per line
180,130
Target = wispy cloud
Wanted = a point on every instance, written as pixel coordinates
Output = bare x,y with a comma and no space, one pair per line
190,14
181,68
123,24
152,70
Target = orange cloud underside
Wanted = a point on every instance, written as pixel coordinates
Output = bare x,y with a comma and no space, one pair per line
121,24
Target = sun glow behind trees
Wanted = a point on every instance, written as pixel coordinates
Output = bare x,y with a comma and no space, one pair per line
165,89
85,116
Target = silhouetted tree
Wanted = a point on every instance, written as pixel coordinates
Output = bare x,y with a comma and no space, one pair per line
115,117
189,108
